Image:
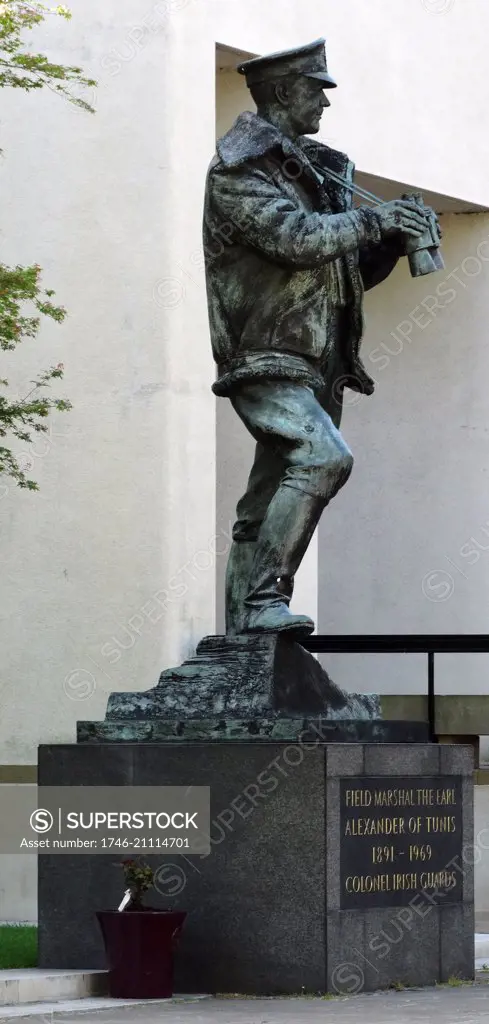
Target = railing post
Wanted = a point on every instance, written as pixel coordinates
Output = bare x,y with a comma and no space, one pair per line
431,694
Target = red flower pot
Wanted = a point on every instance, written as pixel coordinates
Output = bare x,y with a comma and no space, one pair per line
139,945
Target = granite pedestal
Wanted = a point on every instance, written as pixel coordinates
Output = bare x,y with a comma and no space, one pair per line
270,909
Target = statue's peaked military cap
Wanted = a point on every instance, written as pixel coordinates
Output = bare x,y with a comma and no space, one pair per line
309,60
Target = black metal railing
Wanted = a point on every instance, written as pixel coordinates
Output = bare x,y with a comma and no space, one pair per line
417,643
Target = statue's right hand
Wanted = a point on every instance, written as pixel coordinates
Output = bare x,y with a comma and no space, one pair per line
401,216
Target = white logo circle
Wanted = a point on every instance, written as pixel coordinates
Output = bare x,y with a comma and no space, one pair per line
168,293
41,820
82,91
79,684
438,6
352,397
169,879
438,585
347,979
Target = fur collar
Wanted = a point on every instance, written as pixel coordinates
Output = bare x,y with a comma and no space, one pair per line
251,137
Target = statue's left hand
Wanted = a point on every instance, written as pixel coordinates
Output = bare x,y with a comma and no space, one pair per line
403,243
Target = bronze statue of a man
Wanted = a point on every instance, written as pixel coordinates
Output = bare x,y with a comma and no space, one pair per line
287,262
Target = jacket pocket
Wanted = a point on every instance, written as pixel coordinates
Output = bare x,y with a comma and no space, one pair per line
302,328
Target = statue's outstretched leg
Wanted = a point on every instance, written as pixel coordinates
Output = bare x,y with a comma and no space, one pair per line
288,421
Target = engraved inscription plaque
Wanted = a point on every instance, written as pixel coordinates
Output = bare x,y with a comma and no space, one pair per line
400,838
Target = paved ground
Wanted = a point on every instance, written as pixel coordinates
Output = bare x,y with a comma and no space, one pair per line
467,1004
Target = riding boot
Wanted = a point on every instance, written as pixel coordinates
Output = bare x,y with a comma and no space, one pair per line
238,573
283,540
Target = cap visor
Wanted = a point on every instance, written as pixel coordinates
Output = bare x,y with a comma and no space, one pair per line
321,76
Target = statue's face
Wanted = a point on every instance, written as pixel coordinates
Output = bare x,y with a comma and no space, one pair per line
306,102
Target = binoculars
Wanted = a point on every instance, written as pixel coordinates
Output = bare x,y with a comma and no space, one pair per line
423,253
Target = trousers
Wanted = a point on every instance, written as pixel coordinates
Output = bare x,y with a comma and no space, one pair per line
298,444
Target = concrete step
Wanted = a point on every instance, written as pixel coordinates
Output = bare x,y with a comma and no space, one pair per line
35,985
40,1011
